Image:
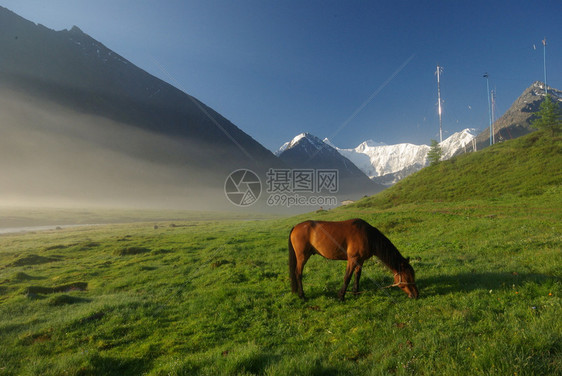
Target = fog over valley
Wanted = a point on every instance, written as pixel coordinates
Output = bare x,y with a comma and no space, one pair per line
53,155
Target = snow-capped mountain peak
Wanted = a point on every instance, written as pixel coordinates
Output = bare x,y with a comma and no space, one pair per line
365,145
538,90
379,160
389,163
457,142
383,163
306,151
328,142
307,138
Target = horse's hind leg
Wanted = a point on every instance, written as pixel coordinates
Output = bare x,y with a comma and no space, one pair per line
302,258
358,269
348,274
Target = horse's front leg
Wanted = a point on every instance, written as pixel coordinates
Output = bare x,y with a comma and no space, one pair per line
348,273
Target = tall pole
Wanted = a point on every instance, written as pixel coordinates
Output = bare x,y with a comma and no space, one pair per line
493,98
489,106
544,61
438,72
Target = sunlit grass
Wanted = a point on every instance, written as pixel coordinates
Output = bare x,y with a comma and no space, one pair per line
213,297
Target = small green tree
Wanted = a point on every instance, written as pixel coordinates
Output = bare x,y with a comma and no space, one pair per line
435,153
549,116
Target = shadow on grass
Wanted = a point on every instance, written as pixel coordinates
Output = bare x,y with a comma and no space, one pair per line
75,286
437,285
103,365
21,276
60,300
32,259
465,282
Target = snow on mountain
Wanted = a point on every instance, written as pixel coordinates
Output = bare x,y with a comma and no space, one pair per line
307,151
389,163
538,90
386,164
457,142
370,144
310,142
381,160
282,148
364,144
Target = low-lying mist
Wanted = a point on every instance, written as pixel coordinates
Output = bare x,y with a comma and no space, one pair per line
52,156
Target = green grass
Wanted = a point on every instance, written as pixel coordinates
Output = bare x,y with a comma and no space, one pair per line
212,296
522,167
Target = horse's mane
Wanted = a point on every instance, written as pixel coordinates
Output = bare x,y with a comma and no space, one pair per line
381,246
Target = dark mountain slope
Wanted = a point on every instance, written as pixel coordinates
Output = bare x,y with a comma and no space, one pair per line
72,69
77,119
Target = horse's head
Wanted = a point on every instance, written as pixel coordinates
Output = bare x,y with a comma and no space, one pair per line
405,278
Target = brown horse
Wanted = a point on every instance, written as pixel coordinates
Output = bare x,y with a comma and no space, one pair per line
353,240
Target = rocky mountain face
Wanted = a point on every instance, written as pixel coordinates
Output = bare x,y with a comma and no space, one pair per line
81,122
307,151
517,119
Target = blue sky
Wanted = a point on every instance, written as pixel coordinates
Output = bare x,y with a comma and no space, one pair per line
346,70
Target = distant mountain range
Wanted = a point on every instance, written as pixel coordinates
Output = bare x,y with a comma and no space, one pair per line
387,164
309,152
383,164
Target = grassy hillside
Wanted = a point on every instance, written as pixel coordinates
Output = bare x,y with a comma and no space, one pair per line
212,297
527,166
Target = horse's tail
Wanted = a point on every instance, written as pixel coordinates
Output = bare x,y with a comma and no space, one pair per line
292,264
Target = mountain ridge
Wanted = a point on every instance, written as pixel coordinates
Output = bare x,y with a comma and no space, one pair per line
516,121
79,71
387,164
67,98
310,152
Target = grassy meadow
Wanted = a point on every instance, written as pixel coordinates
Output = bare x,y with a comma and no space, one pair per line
211,296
